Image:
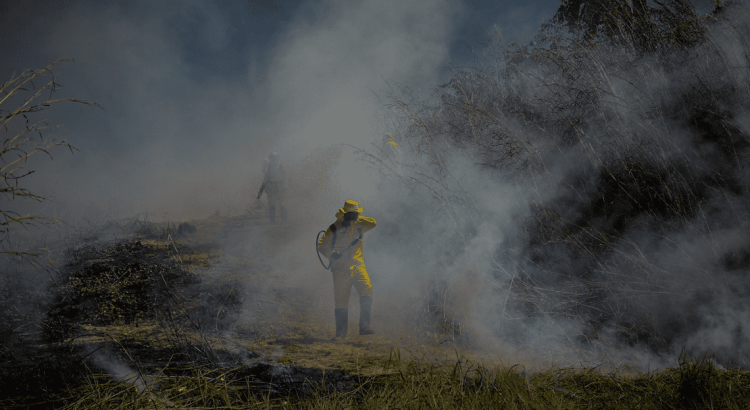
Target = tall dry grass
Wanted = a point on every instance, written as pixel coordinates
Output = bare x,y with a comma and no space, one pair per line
623,146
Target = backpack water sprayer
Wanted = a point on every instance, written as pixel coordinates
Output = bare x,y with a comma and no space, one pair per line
333,243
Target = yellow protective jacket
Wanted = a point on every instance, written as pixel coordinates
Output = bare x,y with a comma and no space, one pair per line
344,238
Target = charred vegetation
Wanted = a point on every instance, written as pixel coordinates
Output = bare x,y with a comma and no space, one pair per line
622,129
620,137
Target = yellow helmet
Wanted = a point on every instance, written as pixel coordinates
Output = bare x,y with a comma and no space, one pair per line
352,206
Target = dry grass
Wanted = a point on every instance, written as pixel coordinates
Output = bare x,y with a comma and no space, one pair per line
284,362
27,94
617,157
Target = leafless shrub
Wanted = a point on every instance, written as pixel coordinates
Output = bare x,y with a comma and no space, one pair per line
18,147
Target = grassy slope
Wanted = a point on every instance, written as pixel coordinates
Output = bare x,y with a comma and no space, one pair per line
180,367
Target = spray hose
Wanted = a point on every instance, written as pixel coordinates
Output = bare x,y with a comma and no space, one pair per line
333,228
316,251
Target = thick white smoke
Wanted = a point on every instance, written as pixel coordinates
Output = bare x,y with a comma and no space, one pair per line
611,226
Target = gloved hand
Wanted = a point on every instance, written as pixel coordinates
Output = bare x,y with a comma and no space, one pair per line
335,255
340,215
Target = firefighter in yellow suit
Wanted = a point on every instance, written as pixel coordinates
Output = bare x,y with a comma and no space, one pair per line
342,245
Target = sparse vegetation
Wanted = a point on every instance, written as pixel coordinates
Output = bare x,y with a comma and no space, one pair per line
25,141
127,282
619,137
413,383
161,359
650,107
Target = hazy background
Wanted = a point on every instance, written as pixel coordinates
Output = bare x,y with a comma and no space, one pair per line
197,93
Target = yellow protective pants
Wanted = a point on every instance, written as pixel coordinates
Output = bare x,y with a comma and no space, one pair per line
343,280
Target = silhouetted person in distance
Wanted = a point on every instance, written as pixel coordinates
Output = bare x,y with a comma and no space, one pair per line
274,180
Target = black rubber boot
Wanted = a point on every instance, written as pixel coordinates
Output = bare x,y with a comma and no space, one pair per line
272,213
342,322
365,306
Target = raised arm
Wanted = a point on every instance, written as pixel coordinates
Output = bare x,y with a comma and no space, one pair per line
366,223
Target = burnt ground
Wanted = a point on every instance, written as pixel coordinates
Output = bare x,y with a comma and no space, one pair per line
221,296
